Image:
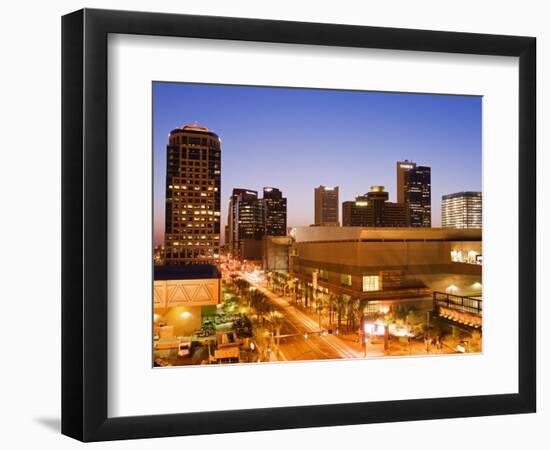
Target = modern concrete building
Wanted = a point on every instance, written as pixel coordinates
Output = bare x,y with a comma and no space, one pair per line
418,196
461,210
276,253
326,206
374,210
192,213
274,205
388,265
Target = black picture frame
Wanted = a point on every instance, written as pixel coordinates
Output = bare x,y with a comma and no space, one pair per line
84,224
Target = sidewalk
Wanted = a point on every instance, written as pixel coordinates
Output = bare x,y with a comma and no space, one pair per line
347,343
353,341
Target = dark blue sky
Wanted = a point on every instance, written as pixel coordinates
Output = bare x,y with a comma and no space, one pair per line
297,139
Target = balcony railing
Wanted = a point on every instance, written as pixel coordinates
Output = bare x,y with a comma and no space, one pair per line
459,303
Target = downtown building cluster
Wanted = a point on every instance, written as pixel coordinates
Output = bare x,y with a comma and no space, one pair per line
193,205
382,251
373,209
251,218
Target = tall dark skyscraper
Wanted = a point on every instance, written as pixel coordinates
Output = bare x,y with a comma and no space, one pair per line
192,213
374,210
418,196
402,167
245,219
274,211
356,213
326,206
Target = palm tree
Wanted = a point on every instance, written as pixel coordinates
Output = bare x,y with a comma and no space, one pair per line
359,313
261,339
290,285
276,320
241,285
334,307
270,280
260,303
299,293
350,314
340,305
319,306
355,310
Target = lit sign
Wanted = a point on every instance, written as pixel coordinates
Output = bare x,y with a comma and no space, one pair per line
406,166
377,329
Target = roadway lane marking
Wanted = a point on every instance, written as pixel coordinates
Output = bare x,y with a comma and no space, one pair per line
311,326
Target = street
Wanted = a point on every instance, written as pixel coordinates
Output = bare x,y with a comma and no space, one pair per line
298,324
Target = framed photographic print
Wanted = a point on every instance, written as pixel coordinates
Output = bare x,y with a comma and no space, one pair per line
273,224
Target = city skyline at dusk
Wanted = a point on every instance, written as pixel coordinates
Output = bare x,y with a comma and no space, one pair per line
367,271
298,139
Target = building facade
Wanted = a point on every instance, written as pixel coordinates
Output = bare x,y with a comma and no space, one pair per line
418,196
356,213
374,210
326,206
250,218
385,265
193,180
402,167
245,222
274,205
461,210
276,253
182,296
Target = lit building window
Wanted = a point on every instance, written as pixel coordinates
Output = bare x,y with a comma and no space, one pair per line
371,283
466,257
345,279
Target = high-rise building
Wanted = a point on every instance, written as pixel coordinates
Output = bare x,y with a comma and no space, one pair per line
402,167
356,213
374,210
461,210
275,212
418,196
251,218
326,206
192,213
245,221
